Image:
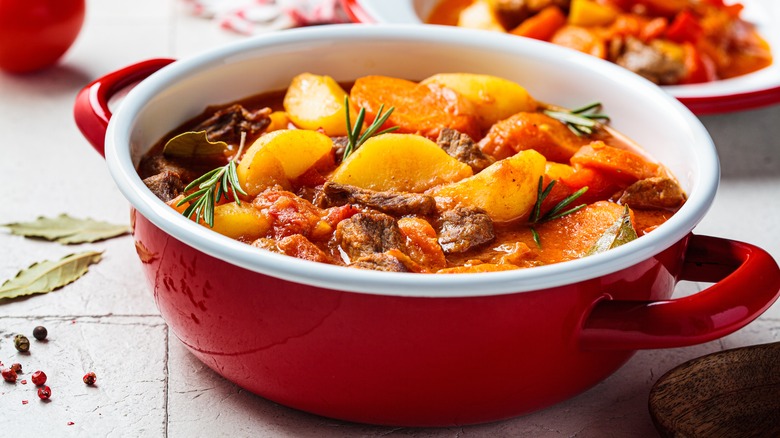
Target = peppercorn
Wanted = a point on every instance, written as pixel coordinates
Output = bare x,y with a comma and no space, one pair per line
90,378
22,343
40,333
17,367
44,392
38,378
9,375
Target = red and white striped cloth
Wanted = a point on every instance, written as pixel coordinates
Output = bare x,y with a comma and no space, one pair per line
250,17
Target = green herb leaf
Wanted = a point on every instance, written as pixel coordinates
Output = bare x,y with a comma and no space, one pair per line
354,139
46,276
211,187
617,234
581,121
194,144
555,212
67,230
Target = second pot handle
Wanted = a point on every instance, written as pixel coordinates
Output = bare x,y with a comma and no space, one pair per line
747,282
91,108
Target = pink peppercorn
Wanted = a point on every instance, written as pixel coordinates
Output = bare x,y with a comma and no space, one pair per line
44,392
9,375
90,378
38,378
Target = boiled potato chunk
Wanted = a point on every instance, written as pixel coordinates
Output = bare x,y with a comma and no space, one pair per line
240,221
400,162
281,156
279,120
506,190
314,102
494,98
589,13
480,15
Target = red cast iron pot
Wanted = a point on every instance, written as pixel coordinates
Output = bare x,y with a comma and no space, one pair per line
412,349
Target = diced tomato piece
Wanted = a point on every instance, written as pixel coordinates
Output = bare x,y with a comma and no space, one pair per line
685,27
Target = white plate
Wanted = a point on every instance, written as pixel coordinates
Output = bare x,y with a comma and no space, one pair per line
752,90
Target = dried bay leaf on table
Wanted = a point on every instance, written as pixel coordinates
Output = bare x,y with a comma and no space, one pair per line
619,233
67,230
46,276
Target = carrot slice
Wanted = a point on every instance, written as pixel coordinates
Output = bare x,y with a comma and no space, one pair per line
537,131
620,164
581,39
600,185
419,109
543,25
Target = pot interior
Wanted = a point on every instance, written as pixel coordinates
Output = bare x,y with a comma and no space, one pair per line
665,129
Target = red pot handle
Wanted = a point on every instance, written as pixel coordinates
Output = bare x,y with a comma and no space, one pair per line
91,108
747,282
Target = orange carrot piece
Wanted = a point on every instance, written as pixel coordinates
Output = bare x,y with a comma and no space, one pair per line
538,131
581,39
600,185
422,243
653,29
420,109
543,25
620,164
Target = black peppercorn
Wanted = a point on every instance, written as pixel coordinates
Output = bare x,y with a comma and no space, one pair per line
40,332
22,343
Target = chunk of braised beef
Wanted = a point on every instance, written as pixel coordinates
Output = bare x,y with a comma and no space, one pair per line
462,228
368,233
166,185
381,261
339,146
649,61
226,124
392,203
461,147
653,193
156,164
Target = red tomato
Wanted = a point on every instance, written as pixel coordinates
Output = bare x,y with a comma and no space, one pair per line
34,34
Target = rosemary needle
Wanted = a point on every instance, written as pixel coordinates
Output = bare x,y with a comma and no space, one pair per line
581,121
211,187
354,138
555,212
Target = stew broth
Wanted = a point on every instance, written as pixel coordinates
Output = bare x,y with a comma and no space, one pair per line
449,226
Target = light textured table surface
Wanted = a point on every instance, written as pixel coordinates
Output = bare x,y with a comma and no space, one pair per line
107,322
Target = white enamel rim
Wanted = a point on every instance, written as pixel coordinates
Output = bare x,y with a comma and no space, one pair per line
765,14
704,182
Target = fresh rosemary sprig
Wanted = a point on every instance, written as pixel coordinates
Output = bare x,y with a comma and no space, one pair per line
211,187
581,121
555,212
354,139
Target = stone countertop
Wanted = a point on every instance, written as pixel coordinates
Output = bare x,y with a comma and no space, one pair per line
148,384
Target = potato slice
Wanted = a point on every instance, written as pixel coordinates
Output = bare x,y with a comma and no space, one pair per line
494,98
480,15
400,162
506,190
314,102
279,120
589,13
280,156
242,222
